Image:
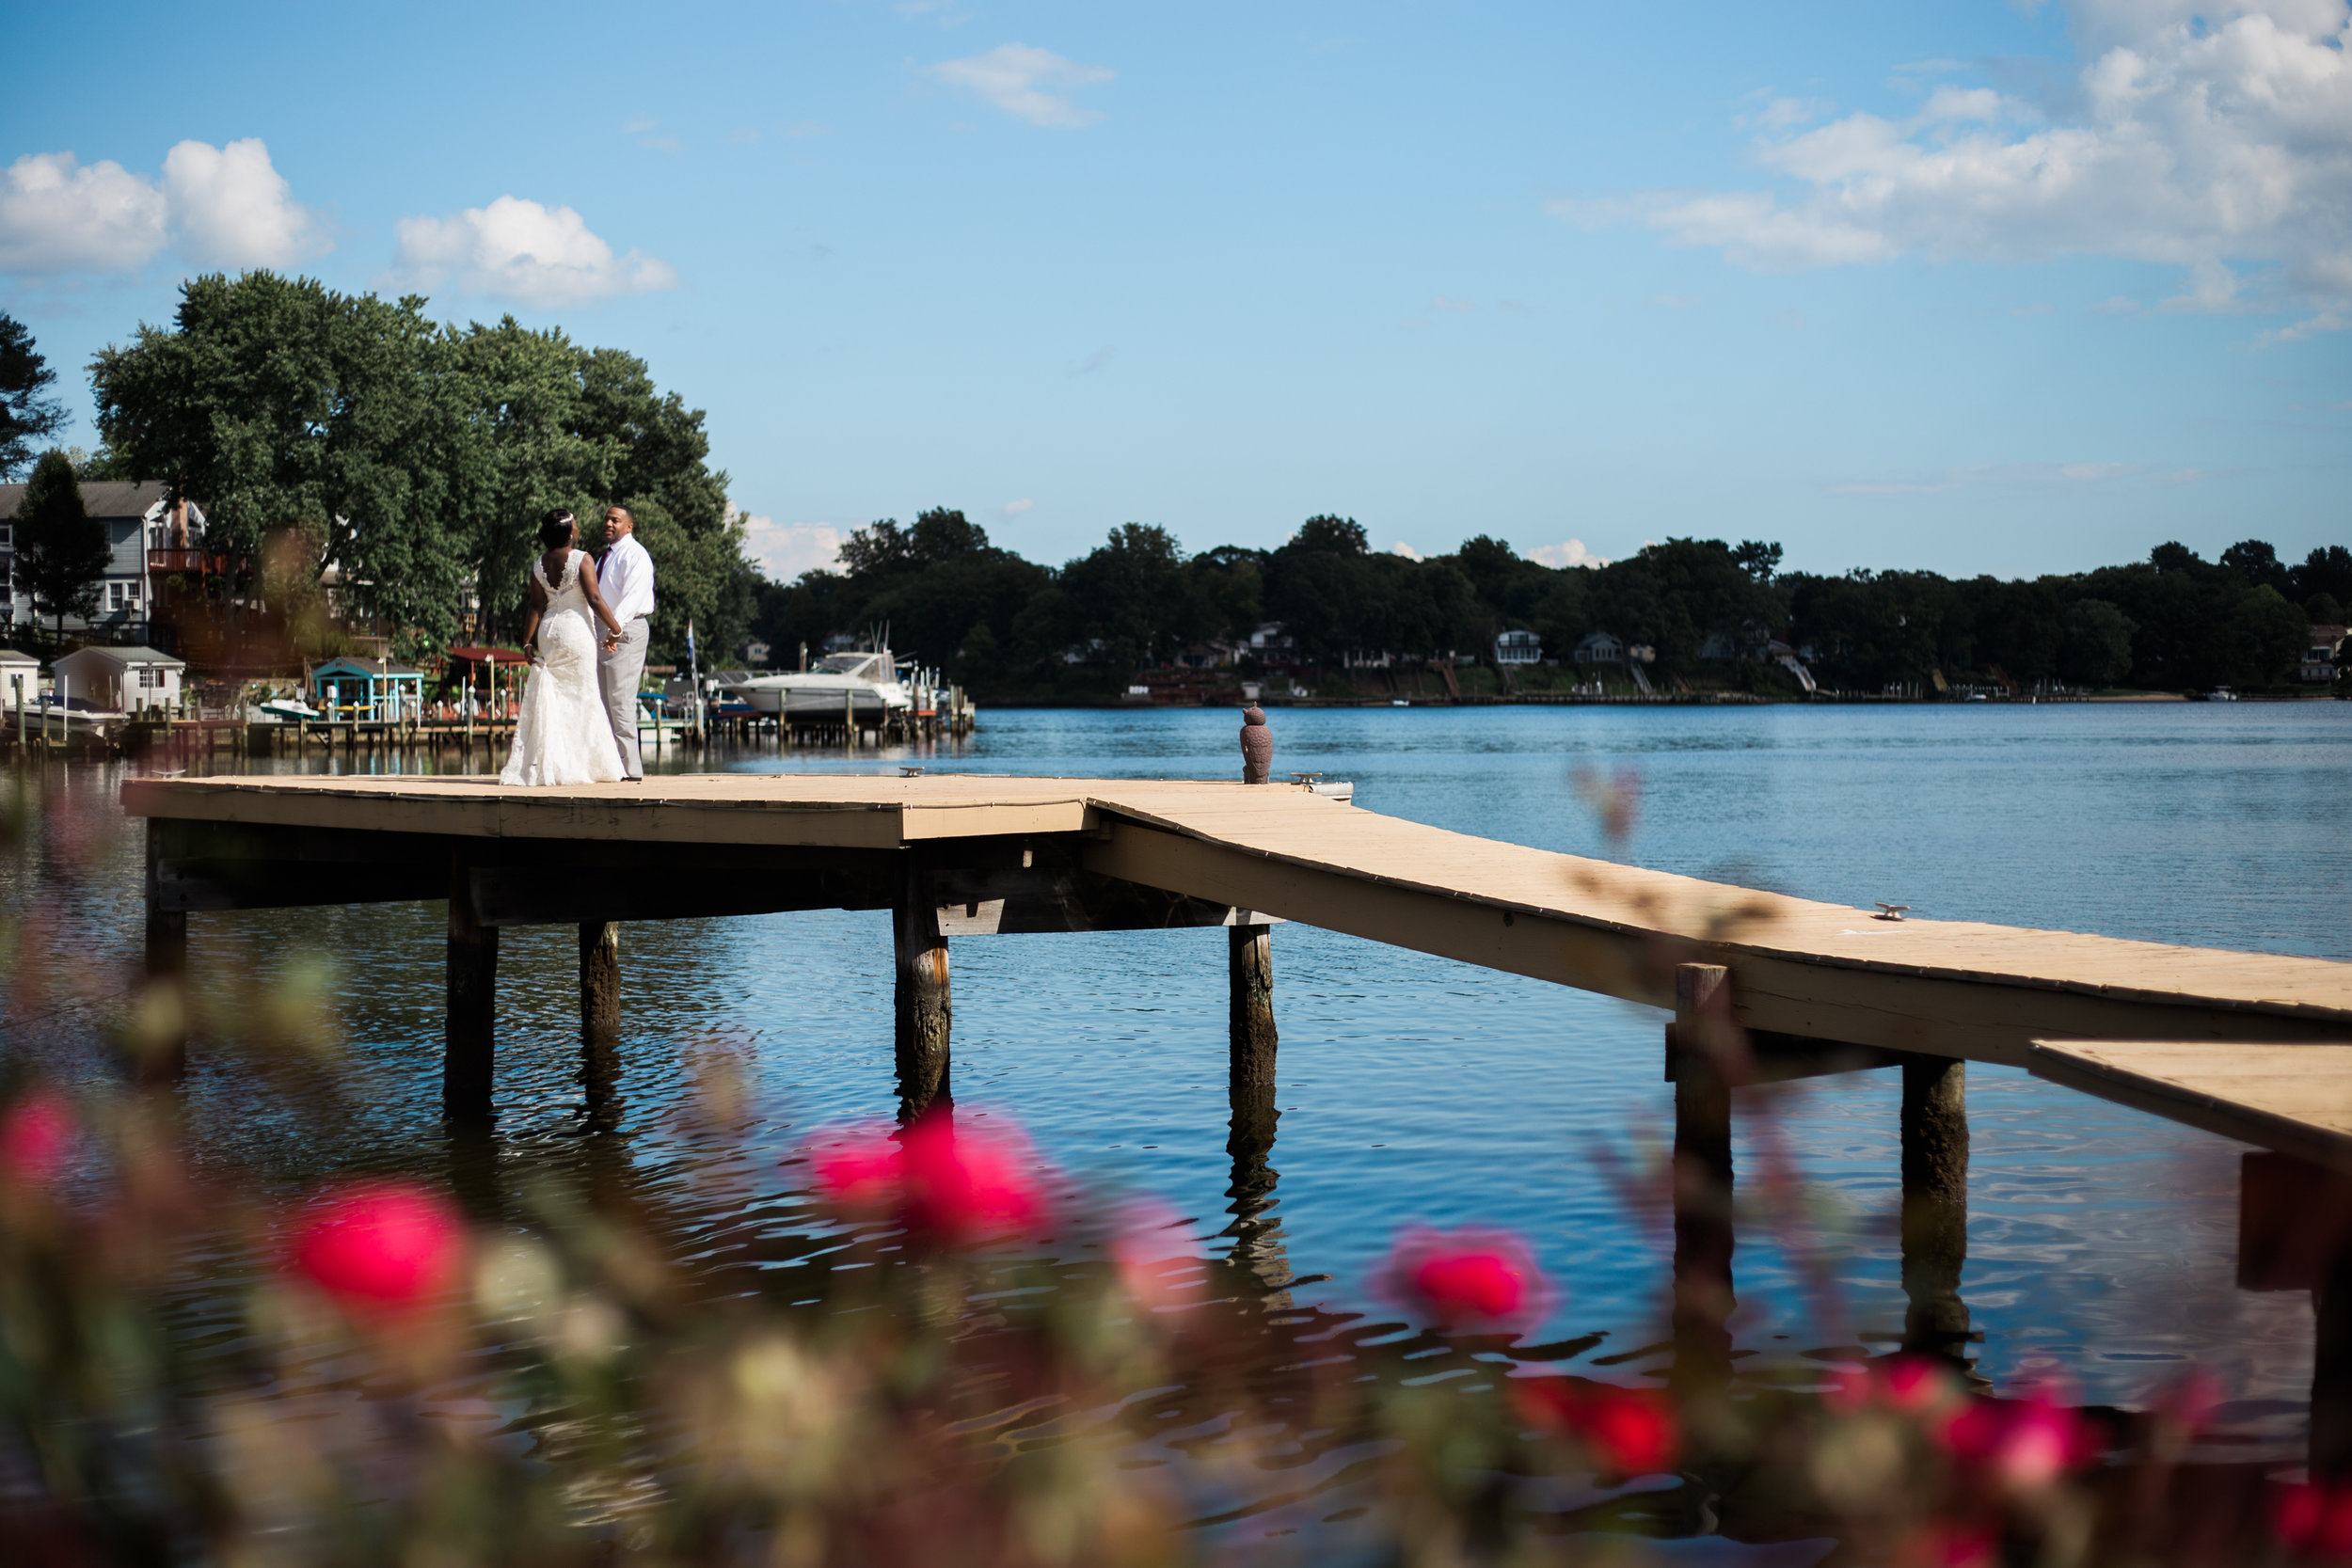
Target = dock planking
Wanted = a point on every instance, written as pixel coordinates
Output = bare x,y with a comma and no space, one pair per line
1798,967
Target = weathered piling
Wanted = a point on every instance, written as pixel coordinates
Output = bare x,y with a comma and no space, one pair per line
599,977
1251,977
1935,1204
1700,1046
923,1003
164,1054
600,1016
468,1044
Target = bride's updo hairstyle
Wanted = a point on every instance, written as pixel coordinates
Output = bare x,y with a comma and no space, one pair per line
556,528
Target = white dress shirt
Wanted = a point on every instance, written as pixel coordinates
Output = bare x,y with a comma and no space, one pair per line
626,578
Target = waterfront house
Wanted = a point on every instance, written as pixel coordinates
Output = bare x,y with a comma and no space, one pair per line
1600,648
2320,660
145,537
1519,647
121,680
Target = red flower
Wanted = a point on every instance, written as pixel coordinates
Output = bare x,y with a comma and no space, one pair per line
1627,1432
2024,1444
943,1182
2315,1521
1485,1281
381,1247
1912,1384
34,1135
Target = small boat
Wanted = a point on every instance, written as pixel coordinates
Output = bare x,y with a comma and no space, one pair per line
2221,694
288,708
867,681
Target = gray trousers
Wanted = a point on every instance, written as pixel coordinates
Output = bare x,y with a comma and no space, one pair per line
618,674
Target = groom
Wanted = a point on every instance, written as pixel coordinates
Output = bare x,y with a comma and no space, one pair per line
626,576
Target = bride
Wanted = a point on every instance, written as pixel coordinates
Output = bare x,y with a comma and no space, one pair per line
563,735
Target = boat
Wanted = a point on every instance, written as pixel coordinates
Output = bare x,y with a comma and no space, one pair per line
2221,694
867,681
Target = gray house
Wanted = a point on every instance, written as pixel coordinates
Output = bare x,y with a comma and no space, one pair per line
138,521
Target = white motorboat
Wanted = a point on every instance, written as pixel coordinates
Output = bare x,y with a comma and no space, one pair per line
868,682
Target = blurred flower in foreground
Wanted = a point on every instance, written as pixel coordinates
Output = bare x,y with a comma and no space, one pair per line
36,1133
381,1247
1909,1384
1624,1432
2024,1444
2315,1521
1472,1279
943,1180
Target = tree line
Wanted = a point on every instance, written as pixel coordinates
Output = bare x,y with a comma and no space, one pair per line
348,440
1009,627
350,437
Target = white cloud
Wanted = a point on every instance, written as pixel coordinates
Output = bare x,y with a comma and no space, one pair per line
233,209
1027,84
2204,137
1014,509
784,551
57,217
1401,547
520,250
223,207
1572,553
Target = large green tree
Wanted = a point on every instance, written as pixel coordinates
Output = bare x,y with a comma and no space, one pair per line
413,461
28,414
61,551
661,471
293,412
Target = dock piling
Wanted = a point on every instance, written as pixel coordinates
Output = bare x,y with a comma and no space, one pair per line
1935,1204
1702,1042
165,1056
922,999
600,1015
469,1042
1251,977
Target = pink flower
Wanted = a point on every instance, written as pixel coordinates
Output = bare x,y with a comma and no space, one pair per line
2315,1521
1478,1280
34,1135
1628,1431
381,1247
1912,1385
2023,1443
943,1180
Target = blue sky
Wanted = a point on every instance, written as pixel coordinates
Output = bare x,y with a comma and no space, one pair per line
1983,287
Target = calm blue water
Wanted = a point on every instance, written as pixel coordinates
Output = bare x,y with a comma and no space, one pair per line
1415,1088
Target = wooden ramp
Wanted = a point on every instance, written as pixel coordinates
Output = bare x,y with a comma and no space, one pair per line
2294,1099
1798,967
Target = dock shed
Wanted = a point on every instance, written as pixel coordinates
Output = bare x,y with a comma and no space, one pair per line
375,689
121,680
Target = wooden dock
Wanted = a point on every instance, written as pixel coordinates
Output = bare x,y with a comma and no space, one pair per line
2257,1047
1797,968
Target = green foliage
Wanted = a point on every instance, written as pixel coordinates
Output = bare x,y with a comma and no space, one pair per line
414,460
61,551
27,413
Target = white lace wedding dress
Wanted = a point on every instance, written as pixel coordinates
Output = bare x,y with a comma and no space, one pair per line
563,735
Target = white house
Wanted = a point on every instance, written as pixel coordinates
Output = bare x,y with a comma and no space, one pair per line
1600,648
16,667
120,680
1519,647
143,531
